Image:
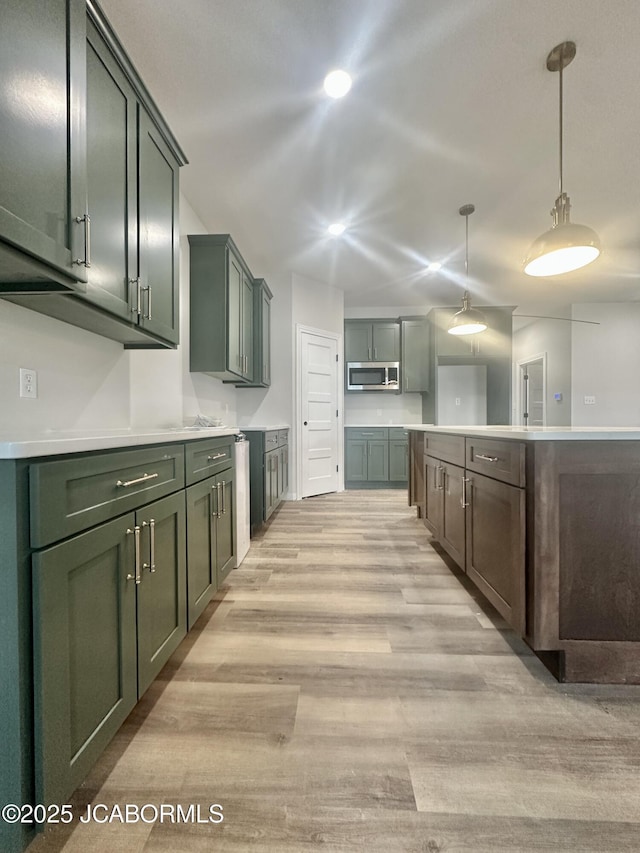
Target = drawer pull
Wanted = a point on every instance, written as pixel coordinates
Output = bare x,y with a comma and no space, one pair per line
487,458
367,433
124,484
217,456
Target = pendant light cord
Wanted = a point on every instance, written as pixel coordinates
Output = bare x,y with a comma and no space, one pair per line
560,121
466,250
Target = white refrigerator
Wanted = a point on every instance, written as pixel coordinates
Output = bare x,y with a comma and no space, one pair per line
461,394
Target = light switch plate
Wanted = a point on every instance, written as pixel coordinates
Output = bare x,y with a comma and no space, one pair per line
589,401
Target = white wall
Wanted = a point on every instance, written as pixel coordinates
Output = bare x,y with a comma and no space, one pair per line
553,339
83,379
605,364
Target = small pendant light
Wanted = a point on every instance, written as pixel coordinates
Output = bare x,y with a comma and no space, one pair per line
565,246
468,321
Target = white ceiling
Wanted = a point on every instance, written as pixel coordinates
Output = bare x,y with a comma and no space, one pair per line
451,103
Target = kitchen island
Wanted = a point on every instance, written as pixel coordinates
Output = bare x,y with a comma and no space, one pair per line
546,523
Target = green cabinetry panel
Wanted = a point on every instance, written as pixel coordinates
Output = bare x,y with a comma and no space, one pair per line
85,652
210,542
221,309
42,166
268,472
415,355
375,457
369,340
122,230
262,297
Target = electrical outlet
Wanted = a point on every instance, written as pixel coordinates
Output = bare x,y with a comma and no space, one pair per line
458,401
28,383
589,401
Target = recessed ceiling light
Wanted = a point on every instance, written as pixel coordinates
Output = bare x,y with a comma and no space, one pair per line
434,266
336,229
337,83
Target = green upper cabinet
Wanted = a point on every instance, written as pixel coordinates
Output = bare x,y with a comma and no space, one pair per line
42,155
105,185
261,336
132,202
221,309
415,354
369,340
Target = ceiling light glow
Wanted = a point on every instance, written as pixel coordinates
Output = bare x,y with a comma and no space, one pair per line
336,229
337,83
434,266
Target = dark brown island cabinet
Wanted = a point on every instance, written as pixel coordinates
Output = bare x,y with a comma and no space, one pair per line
545,522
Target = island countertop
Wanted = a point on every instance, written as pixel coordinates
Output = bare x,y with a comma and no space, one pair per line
54,442
522,433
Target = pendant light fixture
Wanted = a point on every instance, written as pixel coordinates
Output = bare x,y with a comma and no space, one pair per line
565,246
468,321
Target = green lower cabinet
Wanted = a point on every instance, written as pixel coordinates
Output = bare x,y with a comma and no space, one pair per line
378,460
271,482
85,653
356,460
209,539
376,457
109,610
398,459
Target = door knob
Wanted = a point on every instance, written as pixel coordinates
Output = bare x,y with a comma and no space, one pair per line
305,423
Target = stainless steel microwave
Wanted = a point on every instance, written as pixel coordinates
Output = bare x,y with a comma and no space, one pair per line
373,376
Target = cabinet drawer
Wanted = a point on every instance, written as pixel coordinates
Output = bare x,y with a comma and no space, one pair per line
502,460
207,457
398,432
70,495
271,438
283,437
443,446
376,433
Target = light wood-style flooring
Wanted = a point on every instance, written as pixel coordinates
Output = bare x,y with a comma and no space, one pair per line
347,692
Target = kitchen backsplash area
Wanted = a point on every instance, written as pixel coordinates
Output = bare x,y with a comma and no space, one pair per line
380,407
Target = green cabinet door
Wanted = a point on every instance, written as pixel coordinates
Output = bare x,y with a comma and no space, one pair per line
433,489
377,460
415,355
398,459
202,580
161,604
42,172
271,482
84,618
283,480
112,181
386,341
247,327
158,233
358,341
224,525
263,341
356,460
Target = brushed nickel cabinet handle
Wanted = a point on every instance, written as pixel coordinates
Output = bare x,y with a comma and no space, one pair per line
224,503
217,456
487,458
151,565
147,289
86,261
124,484
214,501
463,500
136,539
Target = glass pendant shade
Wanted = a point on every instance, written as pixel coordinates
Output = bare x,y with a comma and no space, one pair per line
468,321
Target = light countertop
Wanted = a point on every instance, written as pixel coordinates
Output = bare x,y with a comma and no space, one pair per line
522,433
54,442
264,428
381,426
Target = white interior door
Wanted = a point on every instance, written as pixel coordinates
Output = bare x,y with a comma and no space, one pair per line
318,413
532,392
